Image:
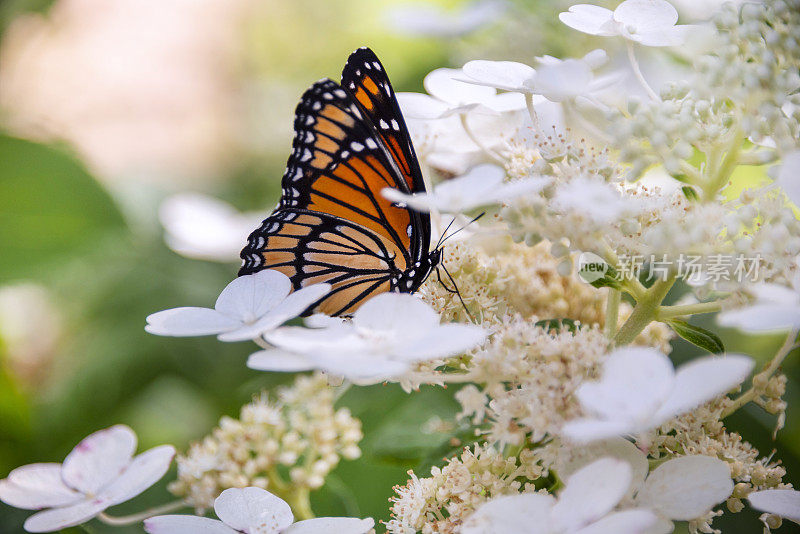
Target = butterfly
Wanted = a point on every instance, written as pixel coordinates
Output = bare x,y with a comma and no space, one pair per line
332,224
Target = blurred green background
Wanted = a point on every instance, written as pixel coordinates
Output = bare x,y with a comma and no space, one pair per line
108,107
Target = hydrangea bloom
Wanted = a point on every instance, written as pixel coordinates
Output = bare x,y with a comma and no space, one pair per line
387,335
647,22
249,306
583,507
481,186
100,472
254,510
639,390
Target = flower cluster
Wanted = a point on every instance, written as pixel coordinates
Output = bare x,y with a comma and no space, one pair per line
299,433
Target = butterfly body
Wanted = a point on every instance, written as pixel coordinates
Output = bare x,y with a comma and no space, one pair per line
332,224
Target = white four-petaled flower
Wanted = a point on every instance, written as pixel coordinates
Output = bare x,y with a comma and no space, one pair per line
254,511
639,390
249,306
583,507
385,337
100,472
647,22
481,186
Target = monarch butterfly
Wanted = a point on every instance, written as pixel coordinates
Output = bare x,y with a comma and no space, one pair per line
332,224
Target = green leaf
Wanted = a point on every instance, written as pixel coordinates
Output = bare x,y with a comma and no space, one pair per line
50,207
609,279
698,336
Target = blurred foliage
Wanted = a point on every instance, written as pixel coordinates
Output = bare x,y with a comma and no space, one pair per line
104,261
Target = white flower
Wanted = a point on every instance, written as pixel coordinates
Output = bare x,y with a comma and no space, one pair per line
639,390
789,176
598,200
582,507
249,306
480,186
648,22
199,226
782,502
680,489
776,308
422,19
449,95
387,334
556,80
254,511
100,472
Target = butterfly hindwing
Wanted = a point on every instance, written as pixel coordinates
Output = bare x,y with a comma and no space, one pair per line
311,247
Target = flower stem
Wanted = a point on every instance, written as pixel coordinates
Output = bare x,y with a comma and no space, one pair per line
261,343
301,504
645,311
788,346
488,151
668,312
612,312
532,112
638,72
723,172
141,516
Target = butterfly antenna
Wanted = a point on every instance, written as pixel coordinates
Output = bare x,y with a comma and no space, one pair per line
457,292
443,238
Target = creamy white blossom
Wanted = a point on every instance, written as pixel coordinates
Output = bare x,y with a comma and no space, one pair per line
100,472
639,390
249,306
387,334
647,22
481,186
203,227
254,511
584,506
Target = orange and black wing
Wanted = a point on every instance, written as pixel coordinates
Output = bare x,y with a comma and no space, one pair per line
366,79
312,247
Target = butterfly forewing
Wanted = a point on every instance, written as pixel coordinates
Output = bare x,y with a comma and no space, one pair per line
332,224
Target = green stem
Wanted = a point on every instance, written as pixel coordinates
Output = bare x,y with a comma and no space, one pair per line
668,312
645,311
301,504
722,173
119,521
788,346
612,312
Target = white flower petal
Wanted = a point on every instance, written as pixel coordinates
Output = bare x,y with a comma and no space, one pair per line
508,102
362,369
591,492
250,296
445,340
774,294
424,202
328,525
478,181
420,106
512,513
99,459
279,360
69,516
573,458
686,487
187,321
506,75
762,317
396,312
589,19
333,339
671,36
250,508
635,382
563,80
596,58
37,486
444,84
782,502
586,430
624,522
185,524
145,470
703,379
295,304
646,15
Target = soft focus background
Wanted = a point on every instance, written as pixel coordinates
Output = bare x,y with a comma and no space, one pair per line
107,107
